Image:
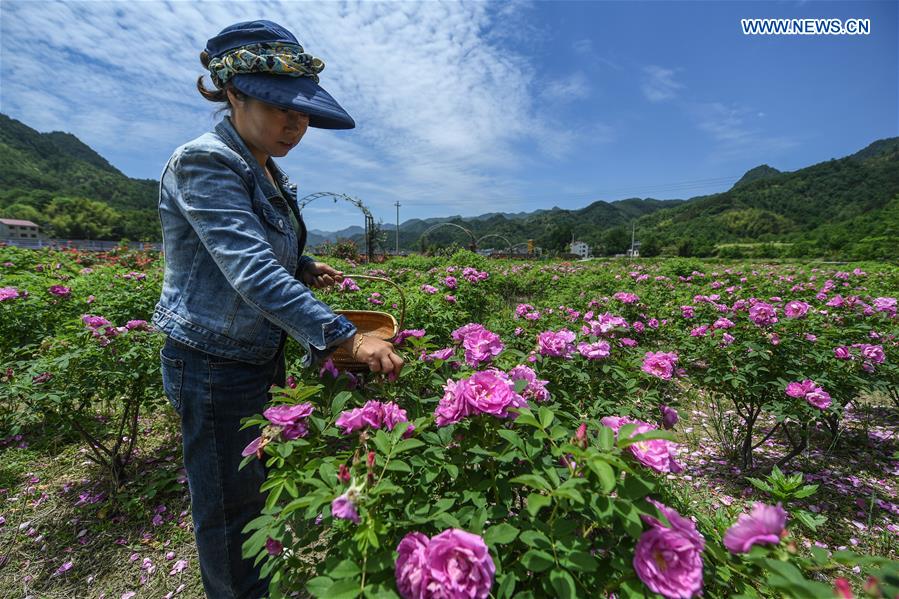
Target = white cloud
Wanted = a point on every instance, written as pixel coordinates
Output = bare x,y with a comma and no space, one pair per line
442,105
566,89
659,83
583,46
734,137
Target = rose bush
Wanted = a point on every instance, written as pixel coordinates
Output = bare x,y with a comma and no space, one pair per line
530,446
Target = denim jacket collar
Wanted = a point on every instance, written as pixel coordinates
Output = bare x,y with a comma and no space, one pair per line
225,129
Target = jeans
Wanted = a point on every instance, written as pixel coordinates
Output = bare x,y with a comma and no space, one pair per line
212,394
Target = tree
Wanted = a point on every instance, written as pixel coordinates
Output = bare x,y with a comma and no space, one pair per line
23,212
80,218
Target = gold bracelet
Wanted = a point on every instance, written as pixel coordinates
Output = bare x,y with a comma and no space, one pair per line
357,344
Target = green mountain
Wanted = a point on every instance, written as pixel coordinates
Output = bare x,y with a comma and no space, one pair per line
550,229
842,208
63,185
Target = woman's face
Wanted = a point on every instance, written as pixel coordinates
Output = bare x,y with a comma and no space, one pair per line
268,130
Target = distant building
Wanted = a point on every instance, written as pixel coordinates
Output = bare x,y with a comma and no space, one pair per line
634,250
11,228
530,250
580,248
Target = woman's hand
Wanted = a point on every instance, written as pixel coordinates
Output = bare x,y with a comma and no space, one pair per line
319,275
378,354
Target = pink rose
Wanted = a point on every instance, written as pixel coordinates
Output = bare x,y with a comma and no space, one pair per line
556,344
668,559
594,351
796,309
481,346
763,525
453,406
412,566
459,565
491,392
343,507
535,388
659,364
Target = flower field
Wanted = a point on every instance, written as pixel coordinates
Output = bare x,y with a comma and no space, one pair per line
592,429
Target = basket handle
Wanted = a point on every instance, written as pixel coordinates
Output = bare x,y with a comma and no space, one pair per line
398,288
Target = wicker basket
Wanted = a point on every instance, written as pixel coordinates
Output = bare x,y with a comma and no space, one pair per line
372,323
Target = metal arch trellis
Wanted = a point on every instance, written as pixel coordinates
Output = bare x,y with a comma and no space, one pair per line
503,237
474,241
369,219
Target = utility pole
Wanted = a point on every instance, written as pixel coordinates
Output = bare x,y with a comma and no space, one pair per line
633,231
397,204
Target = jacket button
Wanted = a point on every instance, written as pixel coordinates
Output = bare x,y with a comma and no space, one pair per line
281,223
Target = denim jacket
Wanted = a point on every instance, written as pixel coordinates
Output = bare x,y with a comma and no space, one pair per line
232,257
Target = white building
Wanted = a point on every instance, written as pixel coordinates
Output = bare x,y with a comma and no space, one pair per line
11,228
580,248
634,250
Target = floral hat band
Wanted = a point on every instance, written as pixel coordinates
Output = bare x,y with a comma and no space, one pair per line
265,57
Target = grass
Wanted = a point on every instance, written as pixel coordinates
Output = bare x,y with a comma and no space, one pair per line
856,478
58,509
67,535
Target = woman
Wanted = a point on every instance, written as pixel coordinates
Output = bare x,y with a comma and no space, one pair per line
236,282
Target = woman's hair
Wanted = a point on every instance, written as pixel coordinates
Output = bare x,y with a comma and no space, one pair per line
217,95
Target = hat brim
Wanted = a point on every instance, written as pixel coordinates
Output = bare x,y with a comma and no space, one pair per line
296,93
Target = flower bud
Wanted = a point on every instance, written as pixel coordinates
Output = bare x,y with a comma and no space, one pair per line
343,475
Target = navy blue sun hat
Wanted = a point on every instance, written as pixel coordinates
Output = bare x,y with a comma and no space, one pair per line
264,60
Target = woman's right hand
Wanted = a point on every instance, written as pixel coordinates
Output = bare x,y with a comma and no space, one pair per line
377,353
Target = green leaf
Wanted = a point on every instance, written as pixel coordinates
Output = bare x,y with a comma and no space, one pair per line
534,481
581,560
636,487
819,555
382,442
525,417
339,401
810,520
563,584
506,584
536,502
569,493
385,487
625,431
546,416
344,589
319,585
536,539
605,473
760,484
500,534
647,436
406,445
512,437
630,518
606,438
382,590
536,560
398,466
344,569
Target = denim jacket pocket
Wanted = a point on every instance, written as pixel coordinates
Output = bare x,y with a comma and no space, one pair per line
172,379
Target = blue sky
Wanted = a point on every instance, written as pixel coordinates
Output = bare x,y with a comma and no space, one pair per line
467,108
